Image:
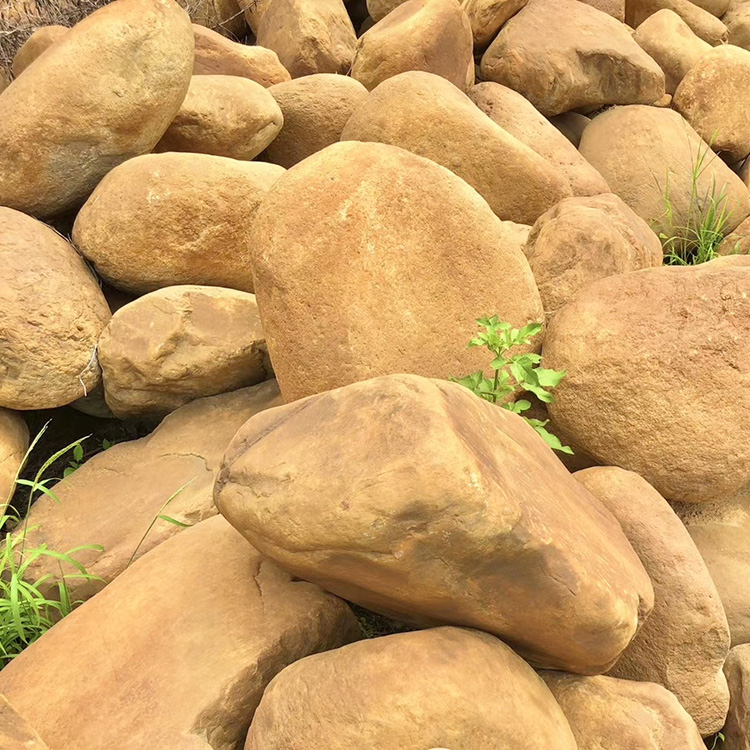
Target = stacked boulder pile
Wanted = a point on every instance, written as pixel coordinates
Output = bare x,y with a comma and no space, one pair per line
271,240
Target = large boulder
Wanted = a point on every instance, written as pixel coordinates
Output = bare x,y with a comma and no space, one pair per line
684,179
315,108
40,41
15,732
427,115
52,314
224,116
177,344
308,37
704,24
582,240
443,687
373,238
685,640
177,651
429,35
545,52
737,669
605,712
174,218
487,17
14,441
414,497
104,94
517,116
115,496
656,365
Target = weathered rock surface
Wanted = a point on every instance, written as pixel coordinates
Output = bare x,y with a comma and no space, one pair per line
737,21
114,496
4,80
736,242
428,116
488,16
685,640
217,55
40,41
315,108
704,24
737,670
177,651
224,116
308,37
582,240
614,8
379,9
14,440
402,245
626,143
443,687
102,95
429,35
564,54
15,732
224,16
620,347
52,314
174,218
429,525
253,10
605,712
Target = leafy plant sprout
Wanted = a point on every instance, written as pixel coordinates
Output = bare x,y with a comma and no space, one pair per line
510,373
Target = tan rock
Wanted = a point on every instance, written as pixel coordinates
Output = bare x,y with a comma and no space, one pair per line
53,313
672,43
429,35
4,80
571,125
736,242
379,9
582,240
14,440
627,142
704,24
716,7
544,53
217,55
177,651
605,712
614,8
622,339
737,671
425,114
166,219
224,116
517,116
40,41
683,644
315,110
15,732
737,21
253,11
105,93
309,37
224,16
429,526
443,687
402,245
488,16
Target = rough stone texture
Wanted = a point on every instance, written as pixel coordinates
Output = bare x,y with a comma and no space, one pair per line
315,110
428,116
402,245
174,218
605,712
253,10
564,54
114,496
224,116
736,242
379,9
737,729
488,16
665,354
105,93
52,314
447,489
571,125
217,55
683,644
443,687
582,240
704,24
40,41
710,98
517,116
224,16
716,7
309,37
646,153
15,732
4,80
177,651
177,344
614,8
14,440
737,21
429,35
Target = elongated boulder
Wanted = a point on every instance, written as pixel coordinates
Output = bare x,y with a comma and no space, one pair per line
488,16
190,635
737,729
401,244
430,526
443,687
657,367
14,440
174,218
704,24
545,51
427,115
40,41
685,640
104,94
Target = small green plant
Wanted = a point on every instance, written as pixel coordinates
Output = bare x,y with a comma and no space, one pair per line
718,741
513,372
78,456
